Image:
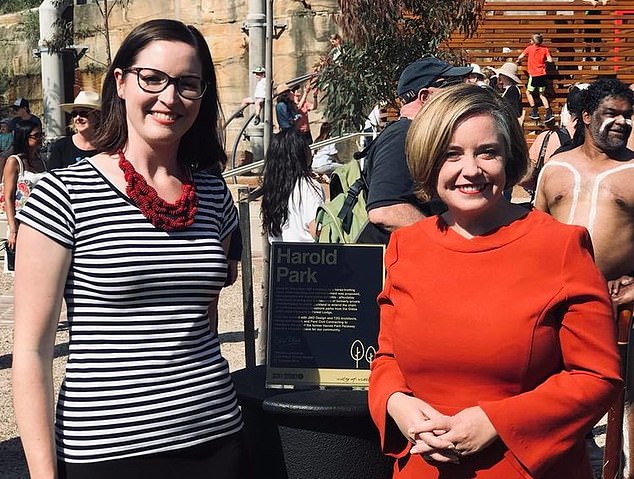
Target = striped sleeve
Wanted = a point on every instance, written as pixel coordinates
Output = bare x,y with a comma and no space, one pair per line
49,211
230,216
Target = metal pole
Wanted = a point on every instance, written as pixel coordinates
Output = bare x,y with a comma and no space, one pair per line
52,70
268,131
268,104
247,277
264,313
256,27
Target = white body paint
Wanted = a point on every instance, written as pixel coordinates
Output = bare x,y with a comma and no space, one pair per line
594,199
575,190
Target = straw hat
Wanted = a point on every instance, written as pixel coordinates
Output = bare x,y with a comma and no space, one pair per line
509,69
84,99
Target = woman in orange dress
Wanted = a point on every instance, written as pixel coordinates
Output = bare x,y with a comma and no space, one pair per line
497,350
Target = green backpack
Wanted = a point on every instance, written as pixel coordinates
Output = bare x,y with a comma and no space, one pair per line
344,218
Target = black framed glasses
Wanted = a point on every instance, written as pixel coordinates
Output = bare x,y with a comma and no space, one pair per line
81,113
151,80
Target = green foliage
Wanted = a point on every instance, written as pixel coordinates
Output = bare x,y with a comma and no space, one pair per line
30,27
62,36
5,81
382,37
93,67
13,6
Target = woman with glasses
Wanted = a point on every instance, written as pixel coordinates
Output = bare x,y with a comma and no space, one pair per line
22,170
135,240
84,114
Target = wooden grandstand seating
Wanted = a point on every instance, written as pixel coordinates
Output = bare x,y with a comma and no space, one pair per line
585,41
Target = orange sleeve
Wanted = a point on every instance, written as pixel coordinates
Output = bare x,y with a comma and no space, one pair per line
385,376
540,425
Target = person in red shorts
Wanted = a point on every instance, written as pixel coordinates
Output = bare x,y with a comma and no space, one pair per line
537,55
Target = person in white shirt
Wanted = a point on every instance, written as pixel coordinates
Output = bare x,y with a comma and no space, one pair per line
326,158
259,93
290,196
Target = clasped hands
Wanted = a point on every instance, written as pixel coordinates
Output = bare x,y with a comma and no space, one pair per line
439,437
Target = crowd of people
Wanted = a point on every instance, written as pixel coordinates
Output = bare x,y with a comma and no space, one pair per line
497,349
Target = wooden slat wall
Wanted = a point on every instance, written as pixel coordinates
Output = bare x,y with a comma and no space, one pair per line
575,32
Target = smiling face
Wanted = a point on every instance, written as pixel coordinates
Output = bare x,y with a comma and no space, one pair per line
472,177
611,124
84,120
159,118
34,139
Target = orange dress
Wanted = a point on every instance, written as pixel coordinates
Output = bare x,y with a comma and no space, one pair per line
518,322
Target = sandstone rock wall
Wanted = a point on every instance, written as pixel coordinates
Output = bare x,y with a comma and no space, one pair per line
220,21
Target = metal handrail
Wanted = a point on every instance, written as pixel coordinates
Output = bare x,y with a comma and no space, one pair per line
314,146
338,139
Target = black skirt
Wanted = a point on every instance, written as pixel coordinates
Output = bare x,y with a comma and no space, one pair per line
224,458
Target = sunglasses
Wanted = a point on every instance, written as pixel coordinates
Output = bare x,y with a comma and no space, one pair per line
81,113
410,95
35,136
445,82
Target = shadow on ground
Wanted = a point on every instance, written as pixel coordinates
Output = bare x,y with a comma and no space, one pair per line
14,462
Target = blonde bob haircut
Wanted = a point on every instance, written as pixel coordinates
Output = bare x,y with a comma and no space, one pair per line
431,131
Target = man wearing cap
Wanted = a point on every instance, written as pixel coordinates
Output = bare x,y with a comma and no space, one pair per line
20,109
84,114
391,202
259,94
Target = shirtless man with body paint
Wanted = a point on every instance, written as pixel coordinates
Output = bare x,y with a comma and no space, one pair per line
591,185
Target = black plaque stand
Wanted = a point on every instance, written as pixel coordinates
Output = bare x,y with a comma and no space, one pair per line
307,434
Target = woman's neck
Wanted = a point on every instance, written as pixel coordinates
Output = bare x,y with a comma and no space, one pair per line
83,140
150,162
477,224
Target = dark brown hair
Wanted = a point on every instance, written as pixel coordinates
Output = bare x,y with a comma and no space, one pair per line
201,147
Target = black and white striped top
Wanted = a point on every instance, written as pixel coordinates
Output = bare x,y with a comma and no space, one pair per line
144,373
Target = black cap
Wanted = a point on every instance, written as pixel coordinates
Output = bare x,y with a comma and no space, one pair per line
424,72
20,103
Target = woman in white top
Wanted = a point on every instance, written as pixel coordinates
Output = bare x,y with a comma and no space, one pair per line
290,195
21,171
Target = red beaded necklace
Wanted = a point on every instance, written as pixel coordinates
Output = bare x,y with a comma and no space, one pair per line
163,215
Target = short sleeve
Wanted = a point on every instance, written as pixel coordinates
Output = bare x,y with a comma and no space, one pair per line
49,210
230,215
312,197
390,182
55,155
260,89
